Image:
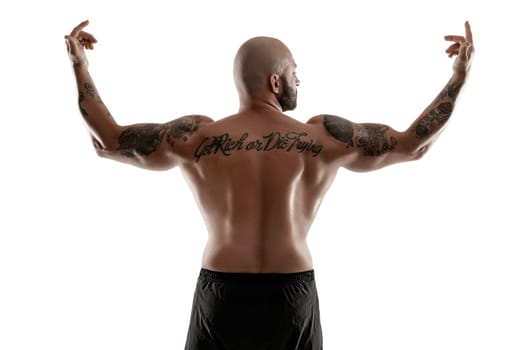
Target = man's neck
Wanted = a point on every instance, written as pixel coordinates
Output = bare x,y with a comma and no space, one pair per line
254,103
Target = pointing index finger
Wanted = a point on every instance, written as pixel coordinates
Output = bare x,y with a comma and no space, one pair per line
468,32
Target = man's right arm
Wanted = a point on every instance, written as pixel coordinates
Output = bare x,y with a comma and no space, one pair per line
147,145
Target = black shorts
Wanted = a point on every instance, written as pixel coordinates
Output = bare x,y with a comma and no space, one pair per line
255,311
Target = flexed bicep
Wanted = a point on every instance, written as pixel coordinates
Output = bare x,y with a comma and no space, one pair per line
141,140
154,146
369,146
369,139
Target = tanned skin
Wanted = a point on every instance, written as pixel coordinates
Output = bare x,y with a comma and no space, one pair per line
259,176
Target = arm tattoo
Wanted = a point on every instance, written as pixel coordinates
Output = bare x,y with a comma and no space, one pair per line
91,92
434,119
453,90
439,115
140,140
144,139
90,89
372,138
340,128
181,128
81,98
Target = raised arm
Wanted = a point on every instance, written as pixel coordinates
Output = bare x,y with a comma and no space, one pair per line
150,146
372,146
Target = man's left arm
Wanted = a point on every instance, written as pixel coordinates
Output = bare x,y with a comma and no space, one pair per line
371,146
428,126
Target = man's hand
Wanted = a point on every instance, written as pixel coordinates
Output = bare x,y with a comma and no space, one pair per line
76,42
463,47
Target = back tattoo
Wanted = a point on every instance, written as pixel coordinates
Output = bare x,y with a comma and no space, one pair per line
288,141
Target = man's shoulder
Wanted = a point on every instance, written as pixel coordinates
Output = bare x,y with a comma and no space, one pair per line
198,118
190,120
316,120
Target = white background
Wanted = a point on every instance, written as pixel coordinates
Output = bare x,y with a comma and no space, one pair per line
422,255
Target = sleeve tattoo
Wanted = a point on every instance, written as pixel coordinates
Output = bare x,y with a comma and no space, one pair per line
439,115
371,138
144,139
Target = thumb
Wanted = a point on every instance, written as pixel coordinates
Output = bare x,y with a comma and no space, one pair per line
67,41
71,43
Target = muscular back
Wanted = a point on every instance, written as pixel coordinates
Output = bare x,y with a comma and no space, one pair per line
258,178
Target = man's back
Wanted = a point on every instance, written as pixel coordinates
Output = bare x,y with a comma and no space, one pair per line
258,177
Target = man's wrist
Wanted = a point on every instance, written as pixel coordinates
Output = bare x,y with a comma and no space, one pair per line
79,66
459,77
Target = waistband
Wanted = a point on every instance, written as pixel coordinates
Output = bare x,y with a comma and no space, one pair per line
237,277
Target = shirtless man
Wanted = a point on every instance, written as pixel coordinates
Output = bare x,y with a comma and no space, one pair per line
256,288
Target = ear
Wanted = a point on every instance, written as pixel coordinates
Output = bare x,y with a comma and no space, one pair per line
275,83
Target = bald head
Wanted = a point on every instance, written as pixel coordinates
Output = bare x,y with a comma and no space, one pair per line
256,60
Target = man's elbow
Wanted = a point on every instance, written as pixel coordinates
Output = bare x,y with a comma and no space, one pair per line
102,150
419,152
102,153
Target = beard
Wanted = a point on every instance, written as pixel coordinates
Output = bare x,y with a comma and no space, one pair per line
288,99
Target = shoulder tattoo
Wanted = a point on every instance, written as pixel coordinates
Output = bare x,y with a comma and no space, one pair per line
340,128
182,128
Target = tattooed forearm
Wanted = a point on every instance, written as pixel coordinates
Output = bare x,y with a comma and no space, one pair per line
454,89
81,98
90,89
144,139
372,138
437,117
